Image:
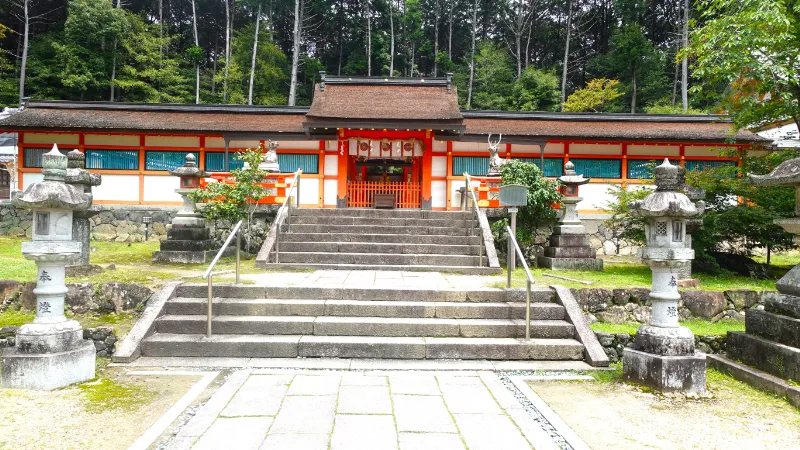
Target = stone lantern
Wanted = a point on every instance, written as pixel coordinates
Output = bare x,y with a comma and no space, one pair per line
662,355
50,352
569,247
188,239
78,176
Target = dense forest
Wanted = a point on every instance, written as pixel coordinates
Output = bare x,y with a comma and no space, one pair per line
504,54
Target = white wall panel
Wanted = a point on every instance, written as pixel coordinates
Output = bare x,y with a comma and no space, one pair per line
118,187
30,178
470,147
160,188
309,191
331,146
51,138
329,192
455,196
172,141
215,142
439,146
331,165
111,139
595,149
704,150
524,148
244,144
298,145
660,150
438,194
439,166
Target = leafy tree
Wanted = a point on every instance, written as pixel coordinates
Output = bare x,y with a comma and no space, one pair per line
494,77
232,202
753,46
595,97
622,225
536,90
539,212
666,108
271,69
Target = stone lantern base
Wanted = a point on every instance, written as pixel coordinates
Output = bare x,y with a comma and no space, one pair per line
569,252
686,373
48,371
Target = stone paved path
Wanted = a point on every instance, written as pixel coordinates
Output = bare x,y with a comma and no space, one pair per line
260,409
372,278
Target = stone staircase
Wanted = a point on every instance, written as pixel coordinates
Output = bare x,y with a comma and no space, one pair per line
381,240
404,323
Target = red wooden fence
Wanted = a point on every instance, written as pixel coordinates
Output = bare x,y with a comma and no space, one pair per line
361,194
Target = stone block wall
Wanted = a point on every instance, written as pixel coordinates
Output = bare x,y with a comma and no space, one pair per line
104,339
614,343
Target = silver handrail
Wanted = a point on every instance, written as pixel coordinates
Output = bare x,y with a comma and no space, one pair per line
210,275
512,241
287,207
467,191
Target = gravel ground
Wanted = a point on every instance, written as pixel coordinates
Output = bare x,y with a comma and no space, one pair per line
87,417
620,416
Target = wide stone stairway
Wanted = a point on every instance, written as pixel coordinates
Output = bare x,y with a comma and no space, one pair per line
350,238
368,322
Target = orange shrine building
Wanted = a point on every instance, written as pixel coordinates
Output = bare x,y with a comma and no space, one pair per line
359,137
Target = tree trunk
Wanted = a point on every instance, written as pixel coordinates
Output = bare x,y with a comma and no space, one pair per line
295,54
633,92
472,55
160,32
369,38
227,50
253,60
675,83
24,63
214,69
565,69
528,47
196,64
518,41
436,38
450,30
391,45
341,20
685,62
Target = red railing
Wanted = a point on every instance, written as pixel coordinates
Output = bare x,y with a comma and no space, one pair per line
276,183
361,194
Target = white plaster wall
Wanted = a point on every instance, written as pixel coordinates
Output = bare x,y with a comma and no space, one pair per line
438,194
331,165
455,196
439,146
51,138
243,144
118,187
595,196
703,150
30,178
298,145
111,139
172,141
159,188
309,191
470,147
215,142
439,166
660,150
595,149
524,148
331,146
329,192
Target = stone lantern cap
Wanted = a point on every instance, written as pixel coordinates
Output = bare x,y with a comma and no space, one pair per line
786,174
667,201
53,192
189,169
570,177
77,173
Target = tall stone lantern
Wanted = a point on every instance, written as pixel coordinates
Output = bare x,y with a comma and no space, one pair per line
78,176
662,355
50,352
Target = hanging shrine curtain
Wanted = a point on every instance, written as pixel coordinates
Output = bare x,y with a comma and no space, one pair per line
385,148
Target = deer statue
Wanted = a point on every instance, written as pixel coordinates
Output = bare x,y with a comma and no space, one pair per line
495,161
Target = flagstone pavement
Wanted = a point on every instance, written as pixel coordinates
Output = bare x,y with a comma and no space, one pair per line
262,409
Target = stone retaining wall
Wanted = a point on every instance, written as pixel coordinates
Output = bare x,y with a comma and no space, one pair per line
104,339
613,343
633,305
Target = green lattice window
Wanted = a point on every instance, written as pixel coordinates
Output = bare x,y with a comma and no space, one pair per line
32,157
598,168
166,160
112,159
473,165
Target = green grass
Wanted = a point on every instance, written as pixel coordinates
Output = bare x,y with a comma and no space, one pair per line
608,376
626,276
698,327
104,394
15,318
122,252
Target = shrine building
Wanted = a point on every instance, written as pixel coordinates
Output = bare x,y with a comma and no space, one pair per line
360,134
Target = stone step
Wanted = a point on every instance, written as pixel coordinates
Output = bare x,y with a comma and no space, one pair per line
569,240
381,229
399,248
187,245
364,326
775,327
464,270
393,222
397,238
771,357
363,308
480,295
787,305
290,346
379,258
382,213
569,252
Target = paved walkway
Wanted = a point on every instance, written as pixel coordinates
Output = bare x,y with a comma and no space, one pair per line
261,409
372,278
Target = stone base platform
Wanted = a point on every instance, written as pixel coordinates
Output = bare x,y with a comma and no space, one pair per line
588,264
771,357
48,371
665,373
189,257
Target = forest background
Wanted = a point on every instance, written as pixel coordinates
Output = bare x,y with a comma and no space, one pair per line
504,54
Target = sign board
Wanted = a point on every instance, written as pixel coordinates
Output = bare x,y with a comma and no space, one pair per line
513,195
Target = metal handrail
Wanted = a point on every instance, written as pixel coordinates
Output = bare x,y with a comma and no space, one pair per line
512,241
469,190
286,206
210,275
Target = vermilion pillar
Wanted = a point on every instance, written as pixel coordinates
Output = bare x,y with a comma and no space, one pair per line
341,192
427,171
